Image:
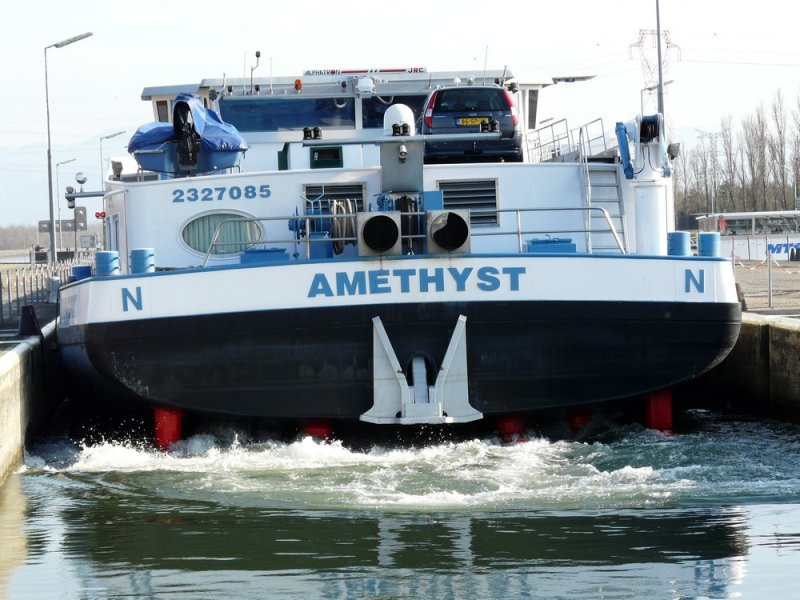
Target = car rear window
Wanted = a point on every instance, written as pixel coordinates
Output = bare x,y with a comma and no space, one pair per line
469,100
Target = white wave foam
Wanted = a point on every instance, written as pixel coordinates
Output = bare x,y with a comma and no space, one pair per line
639,469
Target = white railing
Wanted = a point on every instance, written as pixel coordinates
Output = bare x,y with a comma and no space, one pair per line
20,286
556,141
309,222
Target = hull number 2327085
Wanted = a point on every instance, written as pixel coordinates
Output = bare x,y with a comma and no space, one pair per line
209,194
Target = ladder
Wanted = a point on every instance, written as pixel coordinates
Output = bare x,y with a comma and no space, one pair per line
604,190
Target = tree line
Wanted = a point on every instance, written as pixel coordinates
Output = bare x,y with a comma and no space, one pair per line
749,166
24,237
19,237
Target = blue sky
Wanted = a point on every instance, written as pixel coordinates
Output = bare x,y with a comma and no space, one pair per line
727,60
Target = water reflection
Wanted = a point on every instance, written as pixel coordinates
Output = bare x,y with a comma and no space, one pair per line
247,539
13,542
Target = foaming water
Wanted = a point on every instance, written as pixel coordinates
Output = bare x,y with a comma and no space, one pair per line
627,468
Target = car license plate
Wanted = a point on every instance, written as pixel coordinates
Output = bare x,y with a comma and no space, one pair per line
466,121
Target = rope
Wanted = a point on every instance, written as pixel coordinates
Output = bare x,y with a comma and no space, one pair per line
343,224
738,262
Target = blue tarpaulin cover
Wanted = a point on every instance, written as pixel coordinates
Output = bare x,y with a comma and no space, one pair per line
215,134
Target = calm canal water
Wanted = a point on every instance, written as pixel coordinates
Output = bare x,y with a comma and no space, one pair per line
713,512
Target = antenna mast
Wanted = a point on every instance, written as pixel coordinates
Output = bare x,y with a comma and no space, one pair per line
660,67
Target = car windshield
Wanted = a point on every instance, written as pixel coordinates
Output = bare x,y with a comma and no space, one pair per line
468,100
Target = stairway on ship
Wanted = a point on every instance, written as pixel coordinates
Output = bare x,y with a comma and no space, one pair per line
604,190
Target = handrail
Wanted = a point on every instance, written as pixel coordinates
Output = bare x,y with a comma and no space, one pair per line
556,140
603,212
587,184
213,243
553,139
587,144
517,231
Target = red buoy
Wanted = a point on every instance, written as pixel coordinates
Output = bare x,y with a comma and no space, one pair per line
168,424
658,410
511,428
319,429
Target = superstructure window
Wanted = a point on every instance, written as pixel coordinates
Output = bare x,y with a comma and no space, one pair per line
162,108
374,107
282,114
235,234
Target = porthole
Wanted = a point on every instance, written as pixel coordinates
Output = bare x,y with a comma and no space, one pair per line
234,233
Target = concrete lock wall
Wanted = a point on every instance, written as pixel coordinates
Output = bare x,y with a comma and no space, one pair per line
26,372
784,367
761,375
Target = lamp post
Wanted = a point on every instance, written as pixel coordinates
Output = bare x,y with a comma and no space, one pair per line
61,233
102,178
106,137
60,44
650,89
661,83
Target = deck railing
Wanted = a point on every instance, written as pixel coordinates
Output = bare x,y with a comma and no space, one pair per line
555,141
518,232
20,286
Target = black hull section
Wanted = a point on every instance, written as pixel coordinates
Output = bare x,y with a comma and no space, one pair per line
522,356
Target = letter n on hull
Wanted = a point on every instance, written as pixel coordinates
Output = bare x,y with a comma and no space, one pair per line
695,281
131,299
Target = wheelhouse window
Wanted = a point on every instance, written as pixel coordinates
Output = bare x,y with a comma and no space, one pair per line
283,114
374,107
162,108
235,233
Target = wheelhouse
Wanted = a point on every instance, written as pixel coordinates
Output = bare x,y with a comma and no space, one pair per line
350,102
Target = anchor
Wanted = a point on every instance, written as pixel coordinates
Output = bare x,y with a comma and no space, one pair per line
395,402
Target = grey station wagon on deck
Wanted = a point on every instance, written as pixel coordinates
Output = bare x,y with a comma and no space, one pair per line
472,109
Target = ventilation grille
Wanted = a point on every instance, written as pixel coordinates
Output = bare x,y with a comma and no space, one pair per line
477,196
340,191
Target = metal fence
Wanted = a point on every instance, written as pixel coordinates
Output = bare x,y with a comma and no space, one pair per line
20,286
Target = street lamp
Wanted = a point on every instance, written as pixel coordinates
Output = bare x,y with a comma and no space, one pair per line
106,137
650,89
60,44
102,177
60,232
